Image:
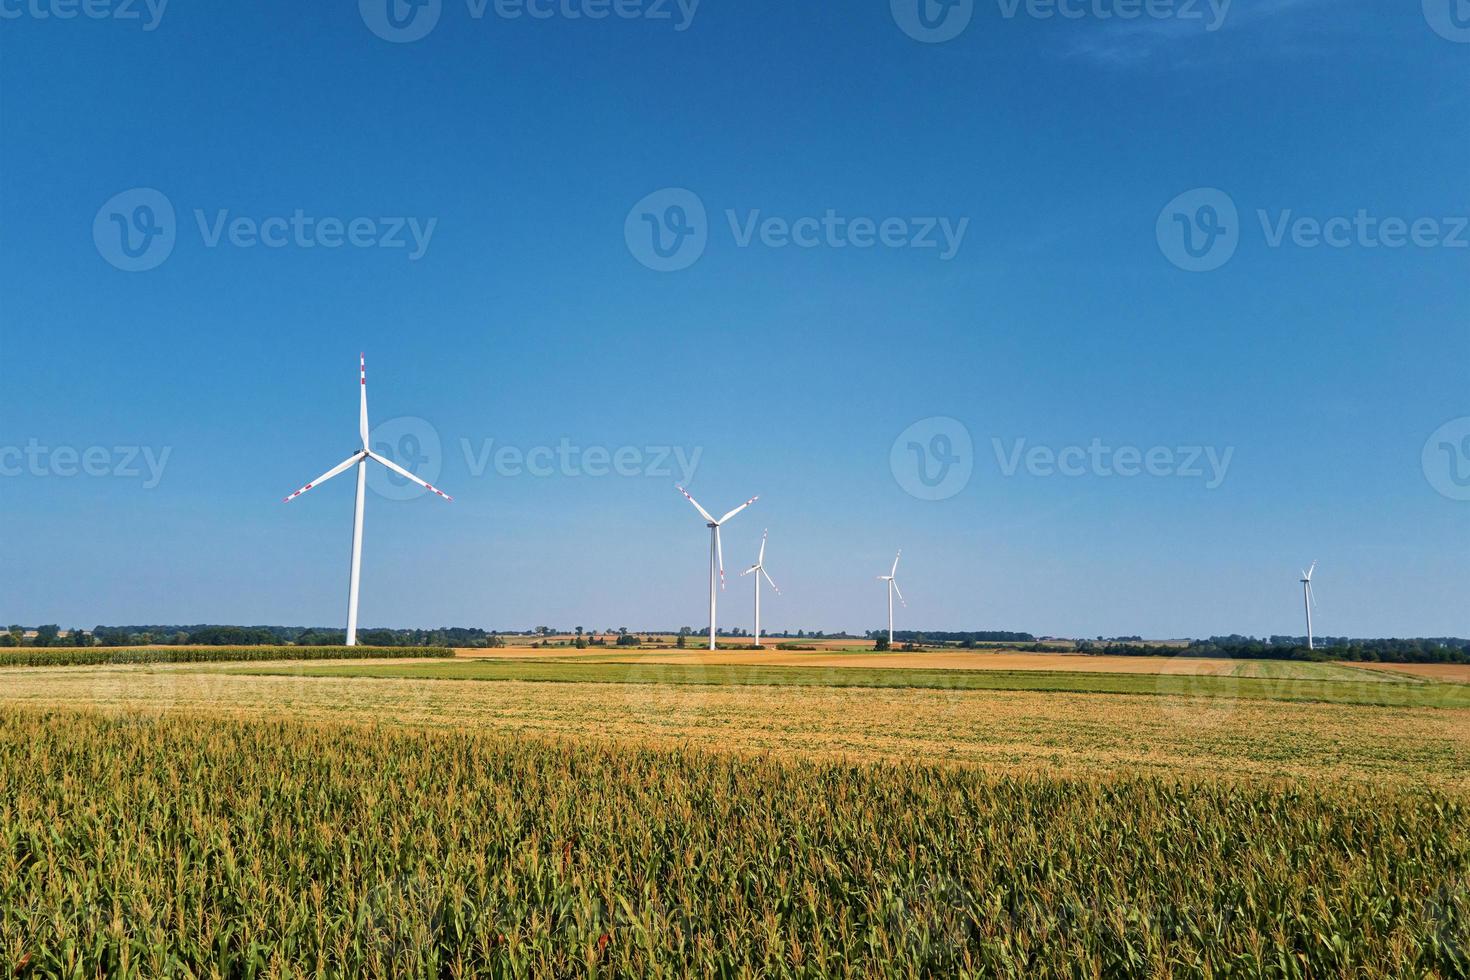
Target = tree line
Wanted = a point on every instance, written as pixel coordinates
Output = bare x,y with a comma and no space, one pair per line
1422,650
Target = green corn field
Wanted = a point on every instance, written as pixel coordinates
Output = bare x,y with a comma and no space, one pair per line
205,846
84,657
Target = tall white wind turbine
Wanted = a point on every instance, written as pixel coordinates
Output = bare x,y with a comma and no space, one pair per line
716,555
1309,600
760,566
892,579
360,459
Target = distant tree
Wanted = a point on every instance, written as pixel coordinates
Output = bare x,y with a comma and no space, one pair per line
881,643
682,640
494,640
7,640
46,635
626,640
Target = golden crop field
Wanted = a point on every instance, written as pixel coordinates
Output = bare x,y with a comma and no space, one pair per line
280,820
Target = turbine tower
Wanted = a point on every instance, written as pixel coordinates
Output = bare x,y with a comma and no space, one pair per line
892,579
760,566
716,556
360,460
1309,600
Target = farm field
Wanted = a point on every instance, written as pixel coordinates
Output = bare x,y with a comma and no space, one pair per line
1216,679
1186,730
844,657
582,816
188,845
1454,673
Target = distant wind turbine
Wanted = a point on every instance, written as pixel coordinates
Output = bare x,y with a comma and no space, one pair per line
360,459
892,579
716,555
1309,600
760,566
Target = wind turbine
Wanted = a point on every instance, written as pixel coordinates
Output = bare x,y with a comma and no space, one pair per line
1309,600
360,459
716,556
760,566
892,579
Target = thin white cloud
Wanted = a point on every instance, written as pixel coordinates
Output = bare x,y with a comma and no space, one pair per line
1269,28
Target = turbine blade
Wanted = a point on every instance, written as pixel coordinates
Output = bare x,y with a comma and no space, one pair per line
752,568
340,467
769,579
702,512
738,510
362,421
900,593
409,476
762,556
720,557
895,563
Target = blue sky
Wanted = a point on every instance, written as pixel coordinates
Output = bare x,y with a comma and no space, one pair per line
1327,381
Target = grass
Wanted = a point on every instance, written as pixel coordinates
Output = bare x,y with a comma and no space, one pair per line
84,657
176,845
1348,686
